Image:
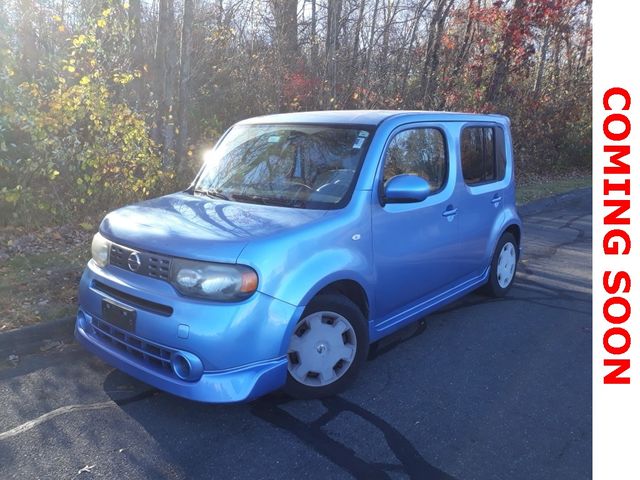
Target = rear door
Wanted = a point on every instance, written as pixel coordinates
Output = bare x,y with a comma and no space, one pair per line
482,196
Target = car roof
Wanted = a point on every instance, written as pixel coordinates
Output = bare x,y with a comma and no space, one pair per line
369,117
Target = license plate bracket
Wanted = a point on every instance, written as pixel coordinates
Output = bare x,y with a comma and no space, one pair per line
119,316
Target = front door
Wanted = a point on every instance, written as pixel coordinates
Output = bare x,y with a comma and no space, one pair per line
415,244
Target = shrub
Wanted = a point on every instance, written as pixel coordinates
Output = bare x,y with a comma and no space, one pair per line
74,148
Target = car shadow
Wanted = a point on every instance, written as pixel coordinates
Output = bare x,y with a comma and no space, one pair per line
198,424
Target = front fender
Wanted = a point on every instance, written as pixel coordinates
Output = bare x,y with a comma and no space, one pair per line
295,265
299,281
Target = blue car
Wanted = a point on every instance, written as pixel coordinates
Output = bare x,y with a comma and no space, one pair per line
304,238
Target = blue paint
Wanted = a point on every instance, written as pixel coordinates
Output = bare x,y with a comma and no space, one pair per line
409,257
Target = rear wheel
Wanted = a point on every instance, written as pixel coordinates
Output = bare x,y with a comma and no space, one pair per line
503,266
327,347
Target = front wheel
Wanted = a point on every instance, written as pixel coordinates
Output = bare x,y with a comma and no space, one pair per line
503,266
327,348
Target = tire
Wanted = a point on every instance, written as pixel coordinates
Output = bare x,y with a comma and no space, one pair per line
503,266
327,348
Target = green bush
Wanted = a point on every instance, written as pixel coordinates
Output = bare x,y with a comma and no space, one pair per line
72,149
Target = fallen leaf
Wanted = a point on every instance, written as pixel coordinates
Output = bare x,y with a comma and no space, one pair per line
49,344
87,226
86,468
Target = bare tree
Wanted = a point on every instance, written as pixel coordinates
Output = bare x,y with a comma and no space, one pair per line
334,10
428,80
541,63
503,59
136,49
184,92
164,77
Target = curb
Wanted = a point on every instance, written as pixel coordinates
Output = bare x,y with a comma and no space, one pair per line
536,206
27,340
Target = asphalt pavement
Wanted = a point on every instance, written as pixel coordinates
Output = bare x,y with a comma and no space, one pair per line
485,389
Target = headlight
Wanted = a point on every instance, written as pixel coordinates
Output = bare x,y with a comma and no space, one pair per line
214,281
100,247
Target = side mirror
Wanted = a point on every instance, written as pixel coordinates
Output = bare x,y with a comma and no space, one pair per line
406,189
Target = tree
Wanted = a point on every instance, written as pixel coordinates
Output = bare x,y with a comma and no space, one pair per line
164,79
184,93
503,59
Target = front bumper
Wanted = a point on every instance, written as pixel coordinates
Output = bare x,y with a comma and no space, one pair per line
239,349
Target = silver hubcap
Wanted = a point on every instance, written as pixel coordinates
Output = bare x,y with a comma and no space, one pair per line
322,349
506,265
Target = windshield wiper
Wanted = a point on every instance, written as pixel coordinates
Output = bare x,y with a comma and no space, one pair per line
280,202
213,193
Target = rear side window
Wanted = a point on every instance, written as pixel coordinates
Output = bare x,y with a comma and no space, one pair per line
483,157
418,151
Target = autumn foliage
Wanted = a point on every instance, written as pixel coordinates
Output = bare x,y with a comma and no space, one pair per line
103,102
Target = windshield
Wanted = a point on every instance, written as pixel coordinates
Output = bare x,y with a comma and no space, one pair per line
303,166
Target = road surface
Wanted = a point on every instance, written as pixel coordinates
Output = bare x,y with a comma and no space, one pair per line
488,389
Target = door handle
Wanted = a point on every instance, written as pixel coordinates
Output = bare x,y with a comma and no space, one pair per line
450,212
497,198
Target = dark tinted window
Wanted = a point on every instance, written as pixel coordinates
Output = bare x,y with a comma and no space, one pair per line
483,158
419,151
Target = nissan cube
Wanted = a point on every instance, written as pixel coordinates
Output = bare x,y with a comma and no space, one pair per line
304,238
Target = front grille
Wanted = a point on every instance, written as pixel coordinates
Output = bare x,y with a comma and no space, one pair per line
118,256
134,301
158,267
153,355
151,264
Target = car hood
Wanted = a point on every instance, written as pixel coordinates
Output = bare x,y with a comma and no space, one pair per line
198,227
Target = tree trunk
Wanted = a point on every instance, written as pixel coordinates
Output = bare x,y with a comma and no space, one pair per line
383,70
164,63
586,41
314,34
432,58
184,91
467,41
414,33
355,50
27,37
501,70
334,10
136,51
543,58
556,61
285,38
367,66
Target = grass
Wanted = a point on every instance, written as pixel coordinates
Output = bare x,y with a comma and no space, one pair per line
534,188
37,287
41,286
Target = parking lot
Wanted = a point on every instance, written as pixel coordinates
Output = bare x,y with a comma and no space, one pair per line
487,389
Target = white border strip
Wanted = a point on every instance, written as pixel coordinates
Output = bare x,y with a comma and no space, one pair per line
616,329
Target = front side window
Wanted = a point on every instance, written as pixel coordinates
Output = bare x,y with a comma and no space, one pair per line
418,151
303,166
482,151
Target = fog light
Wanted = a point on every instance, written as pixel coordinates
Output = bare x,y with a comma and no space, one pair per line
181,366
186,366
